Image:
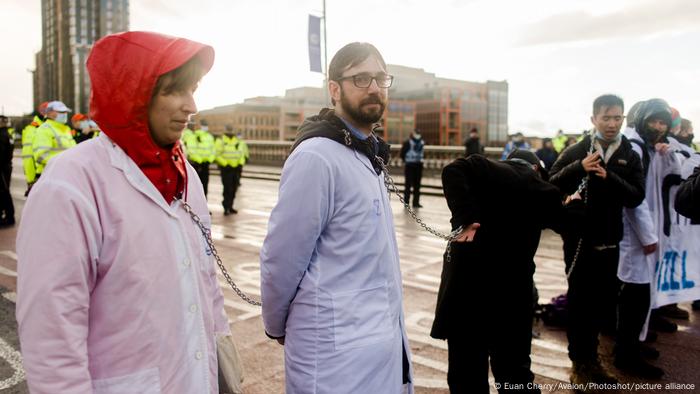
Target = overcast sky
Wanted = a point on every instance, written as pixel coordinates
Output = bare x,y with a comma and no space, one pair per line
556,55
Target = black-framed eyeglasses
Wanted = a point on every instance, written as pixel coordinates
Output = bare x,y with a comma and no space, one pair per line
363,80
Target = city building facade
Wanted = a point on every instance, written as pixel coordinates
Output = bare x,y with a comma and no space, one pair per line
69,29
444,110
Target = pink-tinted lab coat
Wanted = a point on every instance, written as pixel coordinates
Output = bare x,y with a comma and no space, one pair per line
117,292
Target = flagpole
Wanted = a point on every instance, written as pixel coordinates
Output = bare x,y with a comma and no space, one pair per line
325,53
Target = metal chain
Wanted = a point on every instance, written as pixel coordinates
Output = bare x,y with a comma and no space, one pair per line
210,243
391,188
582,188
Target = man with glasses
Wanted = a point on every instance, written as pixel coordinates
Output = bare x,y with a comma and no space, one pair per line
330,277
601,174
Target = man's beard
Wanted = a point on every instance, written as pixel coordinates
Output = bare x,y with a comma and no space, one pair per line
360,115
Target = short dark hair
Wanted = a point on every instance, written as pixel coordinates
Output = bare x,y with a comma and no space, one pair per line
350,56
607,100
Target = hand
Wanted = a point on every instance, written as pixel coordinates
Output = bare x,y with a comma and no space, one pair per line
467,235
280,340
575,196
649,249
590,162
662,147
599,171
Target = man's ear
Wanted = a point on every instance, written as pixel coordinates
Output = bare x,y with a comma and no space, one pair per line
334,91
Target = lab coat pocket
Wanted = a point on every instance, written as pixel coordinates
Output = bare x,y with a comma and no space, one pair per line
361,317
146,381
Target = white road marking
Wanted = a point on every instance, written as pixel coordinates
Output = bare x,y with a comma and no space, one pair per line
14,359
9,253
7,272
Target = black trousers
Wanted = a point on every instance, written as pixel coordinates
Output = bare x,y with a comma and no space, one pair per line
633,307
230,178
7,207
202,170
413,174
592,298
502,332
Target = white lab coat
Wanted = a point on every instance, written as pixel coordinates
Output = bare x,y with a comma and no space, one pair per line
330,275
639,230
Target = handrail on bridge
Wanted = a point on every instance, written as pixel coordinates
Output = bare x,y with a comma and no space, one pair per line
435,157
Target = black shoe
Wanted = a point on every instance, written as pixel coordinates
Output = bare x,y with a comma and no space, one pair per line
648,352
417,206
583,373
226,212
659,323
635,366
674,312
651,337
233,210
696,305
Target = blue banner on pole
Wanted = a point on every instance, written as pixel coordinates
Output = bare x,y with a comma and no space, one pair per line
315,44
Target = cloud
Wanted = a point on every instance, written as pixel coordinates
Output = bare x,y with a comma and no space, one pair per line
637,20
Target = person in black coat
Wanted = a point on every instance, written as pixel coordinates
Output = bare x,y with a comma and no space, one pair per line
472,145
688,197
615,179
547,153
484,304
7,207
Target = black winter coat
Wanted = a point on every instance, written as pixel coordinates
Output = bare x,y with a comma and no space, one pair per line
623,187
688,197
513,205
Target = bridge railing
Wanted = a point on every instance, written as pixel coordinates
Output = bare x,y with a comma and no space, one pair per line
435,157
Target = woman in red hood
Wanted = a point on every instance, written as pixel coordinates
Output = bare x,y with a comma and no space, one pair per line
122,295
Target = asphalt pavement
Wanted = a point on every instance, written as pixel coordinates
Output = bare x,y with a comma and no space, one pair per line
239,238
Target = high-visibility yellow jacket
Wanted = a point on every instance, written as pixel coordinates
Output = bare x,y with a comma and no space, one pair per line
200,147
245,154
50,139
27,152
559,142
229,152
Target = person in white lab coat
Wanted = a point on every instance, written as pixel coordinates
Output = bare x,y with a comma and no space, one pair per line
330,277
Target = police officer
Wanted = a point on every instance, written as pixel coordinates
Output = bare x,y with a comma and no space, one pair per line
412,155
27,139
7,209
230,157
201,152
53,136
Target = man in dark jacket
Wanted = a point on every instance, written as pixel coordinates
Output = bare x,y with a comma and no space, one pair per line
688,197
412,155
613,177
547,153
472,144
486,280
7,208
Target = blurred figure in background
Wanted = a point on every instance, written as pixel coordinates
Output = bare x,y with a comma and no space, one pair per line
28,134
472,144
412,155
53,136
7,207
517,141
547,153
229,158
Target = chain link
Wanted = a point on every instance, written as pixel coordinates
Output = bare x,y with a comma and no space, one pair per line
391,188
582,188
210,243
